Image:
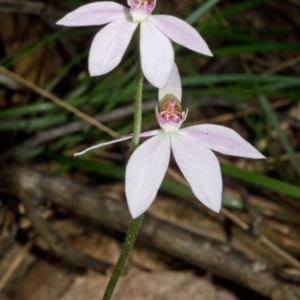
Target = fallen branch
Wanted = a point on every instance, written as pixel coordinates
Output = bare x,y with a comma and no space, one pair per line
56,244
212,255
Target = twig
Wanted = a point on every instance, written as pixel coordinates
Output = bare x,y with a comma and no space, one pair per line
226,212
288,274
282,66
9,83
256,221
203,252
256,218
279,251
234,219
58,101
16,263
245,226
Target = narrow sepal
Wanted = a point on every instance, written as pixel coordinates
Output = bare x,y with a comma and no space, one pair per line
123,138
120,139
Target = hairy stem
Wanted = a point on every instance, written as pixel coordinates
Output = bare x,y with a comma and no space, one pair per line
138,95
135,224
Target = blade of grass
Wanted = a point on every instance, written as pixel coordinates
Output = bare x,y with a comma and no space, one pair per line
238,78
233,9
11,59
261,180
256,48
247,176
208,5
273,121
57,101
33,124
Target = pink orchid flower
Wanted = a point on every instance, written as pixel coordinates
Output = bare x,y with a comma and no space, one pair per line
191,147
110,43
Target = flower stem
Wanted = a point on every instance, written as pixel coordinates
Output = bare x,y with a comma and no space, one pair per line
135,224
138,95
126,249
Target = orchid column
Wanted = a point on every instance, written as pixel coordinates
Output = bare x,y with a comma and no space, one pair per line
154,56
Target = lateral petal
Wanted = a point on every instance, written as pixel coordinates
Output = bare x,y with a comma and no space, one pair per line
181,33
173,85
201,169
120,139
221,139
123,138
145,171
97,13
157,54
150,133
109,45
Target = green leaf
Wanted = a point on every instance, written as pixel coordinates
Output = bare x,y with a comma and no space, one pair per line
256,48
261,180
274,122
200,11
234,8
105,169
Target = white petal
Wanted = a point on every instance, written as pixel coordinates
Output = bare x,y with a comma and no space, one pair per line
120,139
145,171
157,55
109,46
173,85
201,169
181,32
221,139
97,13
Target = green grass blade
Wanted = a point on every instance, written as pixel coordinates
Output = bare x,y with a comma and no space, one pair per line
256,48
262,181
257,179
274,122
208,5
233,9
